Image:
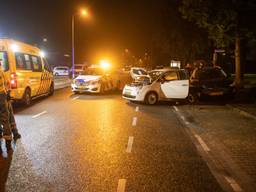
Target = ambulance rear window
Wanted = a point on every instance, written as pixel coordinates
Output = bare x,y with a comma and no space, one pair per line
4,61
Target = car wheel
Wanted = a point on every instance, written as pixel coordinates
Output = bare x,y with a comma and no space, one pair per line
151,98
51,90
192,98
102,88
56,74
27,97
118,86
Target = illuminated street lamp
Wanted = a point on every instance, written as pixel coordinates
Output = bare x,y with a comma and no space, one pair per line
84,13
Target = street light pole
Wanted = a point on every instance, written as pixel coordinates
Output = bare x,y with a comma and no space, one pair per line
84,13
73,46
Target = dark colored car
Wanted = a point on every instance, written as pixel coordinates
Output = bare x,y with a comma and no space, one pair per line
209,81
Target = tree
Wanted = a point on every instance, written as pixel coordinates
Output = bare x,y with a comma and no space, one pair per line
226,22
175,38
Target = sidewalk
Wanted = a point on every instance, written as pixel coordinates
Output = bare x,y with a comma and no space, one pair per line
230,137
246,108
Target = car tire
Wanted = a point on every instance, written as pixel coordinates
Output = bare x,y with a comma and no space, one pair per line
118,86
51,90
27,97
102,88
192,98
151,98
56,74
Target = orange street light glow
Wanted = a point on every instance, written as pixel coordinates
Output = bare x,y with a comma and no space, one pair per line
84,12
104,64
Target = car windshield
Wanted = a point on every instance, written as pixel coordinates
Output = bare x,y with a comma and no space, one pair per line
62,68
139,72
143,79
4,61
93,71
154,75
211,73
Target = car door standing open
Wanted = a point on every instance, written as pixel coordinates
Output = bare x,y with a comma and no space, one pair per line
175,84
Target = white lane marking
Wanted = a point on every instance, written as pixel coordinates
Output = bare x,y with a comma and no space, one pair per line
233,184
134,121
39,114
182,117
176,108
129,145
75,98
121,185
137,109
202,143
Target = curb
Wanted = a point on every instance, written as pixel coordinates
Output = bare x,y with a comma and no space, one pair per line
241,112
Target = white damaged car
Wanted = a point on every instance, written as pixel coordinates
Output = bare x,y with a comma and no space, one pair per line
93,80
162,84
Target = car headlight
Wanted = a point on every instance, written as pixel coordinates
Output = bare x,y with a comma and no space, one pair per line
134,92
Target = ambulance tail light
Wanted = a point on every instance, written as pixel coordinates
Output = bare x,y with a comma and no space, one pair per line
14,82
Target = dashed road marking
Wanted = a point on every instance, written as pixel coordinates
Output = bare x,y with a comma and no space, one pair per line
129,145
39,114
137,109
202,143
134,121
233,184
75,98
121,185
182,117
176,108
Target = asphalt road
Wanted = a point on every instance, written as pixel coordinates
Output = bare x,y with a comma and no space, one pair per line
102,143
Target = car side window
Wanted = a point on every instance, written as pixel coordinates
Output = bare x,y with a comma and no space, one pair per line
36,63
46,65
170,76
28,65
20,61
183,75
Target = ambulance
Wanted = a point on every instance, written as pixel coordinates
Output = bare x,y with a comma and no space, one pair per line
26,69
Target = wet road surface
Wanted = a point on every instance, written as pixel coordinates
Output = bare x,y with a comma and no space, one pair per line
102,143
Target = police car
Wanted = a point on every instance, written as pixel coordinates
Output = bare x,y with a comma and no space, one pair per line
94,79
162,84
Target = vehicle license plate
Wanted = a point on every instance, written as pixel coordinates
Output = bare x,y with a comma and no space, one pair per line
216,93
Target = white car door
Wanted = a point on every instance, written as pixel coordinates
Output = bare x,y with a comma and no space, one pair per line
174,86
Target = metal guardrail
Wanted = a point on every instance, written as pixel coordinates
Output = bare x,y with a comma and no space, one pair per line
61,82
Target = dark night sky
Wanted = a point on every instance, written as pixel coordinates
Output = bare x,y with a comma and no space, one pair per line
114,26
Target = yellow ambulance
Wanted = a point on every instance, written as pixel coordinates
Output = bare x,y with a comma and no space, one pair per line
26,69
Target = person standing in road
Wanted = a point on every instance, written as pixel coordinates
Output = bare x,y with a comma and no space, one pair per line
12,121
4,112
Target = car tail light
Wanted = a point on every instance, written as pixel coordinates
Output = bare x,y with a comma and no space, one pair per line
14,82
